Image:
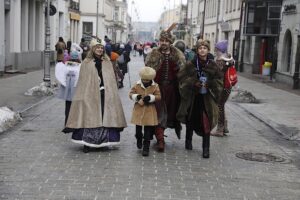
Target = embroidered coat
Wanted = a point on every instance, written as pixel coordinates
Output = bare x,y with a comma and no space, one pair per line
145,115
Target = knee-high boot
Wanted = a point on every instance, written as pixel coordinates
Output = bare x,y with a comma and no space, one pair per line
188,138
205,145
146,145
159,134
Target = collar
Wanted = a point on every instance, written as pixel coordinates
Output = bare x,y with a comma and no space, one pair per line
139,82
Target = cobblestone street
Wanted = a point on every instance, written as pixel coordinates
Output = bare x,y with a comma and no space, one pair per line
37,161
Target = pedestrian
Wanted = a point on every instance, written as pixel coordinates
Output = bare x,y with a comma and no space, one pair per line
147,50
67,75
123,61
85,47
223,60
69,44
145,93
96,113
60,47
166,60
201,84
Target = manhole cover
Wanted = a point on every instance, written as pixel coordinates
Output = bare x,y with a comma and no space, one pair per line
259,157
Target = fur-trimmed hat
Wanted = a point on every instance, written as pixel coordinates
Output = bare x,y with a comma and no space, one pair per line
166,35
147,73
202,42
95,42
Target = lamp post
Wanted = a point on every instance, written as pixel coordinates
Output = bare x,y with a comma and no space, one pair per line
46,78
97,16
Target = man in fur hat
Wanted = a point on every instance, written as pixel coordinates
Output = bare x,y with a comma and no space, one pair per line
166,60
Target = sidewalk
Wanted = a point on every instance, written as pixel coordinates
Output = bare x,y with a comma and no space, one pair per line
278,108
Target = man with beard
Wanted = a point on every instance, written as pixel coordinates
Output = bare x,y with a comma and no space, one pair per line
166,60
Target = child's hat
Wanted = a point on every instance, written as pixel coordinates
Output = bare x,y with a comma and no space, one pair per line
147,73
74,55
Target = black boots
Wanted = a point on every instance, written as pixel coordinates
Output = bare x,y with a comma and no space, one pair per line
178,130
188,139
205,145
139,137
86,149
146,146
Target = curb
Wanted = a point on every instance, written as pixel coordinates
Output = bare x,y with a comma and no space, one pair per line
273,125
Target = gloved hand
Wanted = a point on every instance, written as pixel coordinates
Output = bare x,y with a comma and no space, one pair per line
138,97
146,99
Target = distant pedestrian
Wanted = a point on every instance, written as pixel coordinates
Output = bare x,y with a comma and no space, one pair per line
123,61
96,113
85,47
60,47
201,84
223,60
145,93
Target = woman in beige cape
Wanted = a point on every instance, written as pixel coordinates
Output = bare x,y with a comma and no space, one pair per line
96,114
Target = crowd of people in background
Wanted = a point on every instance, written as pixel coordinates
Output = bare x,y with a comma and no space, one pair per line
178,85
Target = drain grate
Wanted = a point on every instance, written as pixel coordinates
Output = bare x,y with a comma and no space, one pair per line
260,157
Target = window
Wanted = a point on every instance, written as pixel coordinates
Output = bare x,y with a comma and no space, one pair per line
274,12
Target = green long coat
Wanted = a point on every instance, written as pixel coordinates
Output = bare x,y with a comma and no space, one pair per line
187,77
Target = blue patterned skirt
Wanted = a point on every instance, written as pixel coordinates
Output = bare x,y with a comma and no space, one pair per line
96,137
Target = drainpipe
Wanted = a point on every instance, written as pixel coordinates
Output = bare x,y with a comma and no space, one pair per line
203,20
297,66
240,64
217,21
47,79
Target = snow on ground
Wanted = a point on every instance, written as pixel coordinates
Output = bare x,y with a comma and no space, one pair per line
41,90
8,118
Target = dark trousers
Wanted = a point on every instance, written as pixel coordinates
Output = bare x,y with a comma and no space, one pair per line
67,110
148,132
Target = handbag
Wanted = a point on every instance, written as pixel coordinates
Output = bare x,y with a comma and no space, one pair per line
230,77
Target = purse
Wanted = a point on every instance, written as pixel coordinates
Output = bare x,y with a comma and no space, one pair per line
230,77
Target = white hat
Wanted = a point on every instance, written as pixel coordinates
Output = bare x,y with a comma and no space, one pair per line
96,42
147,73
122,46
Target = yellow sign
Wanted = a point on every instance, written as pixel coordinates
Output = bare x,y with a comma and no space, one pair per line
74,16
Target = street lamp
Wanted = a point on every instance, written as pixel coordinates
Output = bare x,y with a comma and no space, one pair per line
97,16
46,78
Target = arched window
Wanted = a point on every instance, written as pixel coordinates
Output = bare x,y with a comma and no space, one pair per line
287,51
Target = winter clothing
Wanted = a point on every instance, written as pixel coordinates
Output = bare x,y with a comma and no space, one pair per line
60,47
205,43
166,66
199,111
74,55
144,94
166,35
222,46
96,112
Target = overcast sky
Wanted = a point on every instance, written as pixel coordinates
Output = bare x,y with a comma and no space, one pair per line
150,10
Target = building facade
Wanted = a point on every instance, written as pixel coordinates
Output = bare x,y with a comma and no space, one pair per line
289,42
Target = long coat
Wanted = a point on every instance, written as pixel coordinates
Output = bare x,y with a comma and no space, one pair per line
85,111
145,115
187,78
60,48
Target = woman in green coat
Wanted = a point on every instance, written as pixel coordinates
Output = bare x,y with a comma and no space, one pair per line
200,85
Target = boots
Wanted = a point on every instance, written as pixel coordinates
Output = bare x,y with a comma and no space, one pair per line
146,144
188,139
178,130
205,145
86,149
159,134
226,127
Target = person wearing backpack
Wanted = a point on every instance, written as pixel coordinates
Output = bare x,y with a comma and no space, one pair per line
224,61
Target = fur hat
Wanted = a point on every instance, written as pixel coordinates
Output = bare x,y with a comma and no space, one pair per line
202,42
95,42
222,46
166,35
147,73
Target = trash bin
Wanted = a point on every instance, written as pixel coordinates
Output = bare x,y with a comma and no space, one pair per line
266,68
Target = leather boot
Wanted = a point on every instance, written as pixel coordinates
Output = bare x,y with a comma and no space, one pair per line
146,145
139,137
159,134
188,139
86,149
178,130
205,145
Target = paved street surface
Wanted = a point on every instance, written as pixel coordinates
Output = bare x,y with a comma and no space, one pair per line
37,161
